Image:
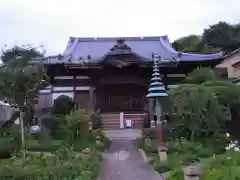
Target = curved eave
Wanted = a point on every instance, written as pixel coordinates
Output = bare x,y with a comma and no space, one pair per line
200,57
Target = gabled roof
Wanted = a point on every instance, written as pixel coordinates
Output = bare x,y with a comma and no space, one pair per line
228,59
95,49
236,51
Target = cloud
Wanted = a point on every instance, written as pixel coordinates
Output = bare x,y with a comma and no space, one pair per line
51,22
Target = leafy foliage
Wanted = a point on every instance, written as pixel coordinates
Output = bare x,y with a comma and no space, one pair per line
196,112
64,164
77,121
56,125
10,55
218,37
192,43
223,167
6,147
68,127
62,105
15,71
20,81
226,92
222,35
201,75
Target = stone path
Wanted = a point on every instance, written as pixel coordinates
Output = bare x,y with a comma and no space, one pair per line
123,161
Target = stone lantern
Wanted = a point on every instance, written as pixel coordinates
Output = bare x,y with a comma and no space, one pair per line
157,92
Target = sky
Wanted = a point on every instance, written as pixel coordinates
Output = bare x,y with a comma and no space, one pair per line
49,23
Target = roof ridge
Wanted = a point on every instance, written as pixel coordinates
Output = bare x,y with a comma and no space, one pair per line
107,39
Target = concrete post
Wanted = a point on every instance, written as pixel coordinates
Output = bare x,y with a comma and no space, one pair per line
192,172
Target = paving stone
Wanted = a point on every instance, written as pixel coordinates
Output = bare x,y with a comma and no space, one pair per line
123,161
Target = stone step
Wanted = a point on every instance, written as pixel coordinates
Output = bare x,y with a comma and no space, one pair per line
112,120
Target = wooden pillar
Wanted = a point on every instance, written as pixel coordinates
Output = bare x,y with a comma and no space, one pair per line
74,89
52,89
165,80
91,98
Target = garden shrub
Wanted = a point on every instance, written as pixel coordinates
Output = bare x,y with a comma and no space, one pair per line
190,159
223,167
57,126
6,147
63,105
41,147
160,167
176,175
14,133
149,133
150,146
77,122
197,113
183,146
201,75
81,169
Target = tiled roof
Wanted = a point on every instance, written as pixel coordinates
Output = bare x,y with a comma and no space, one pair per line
95,48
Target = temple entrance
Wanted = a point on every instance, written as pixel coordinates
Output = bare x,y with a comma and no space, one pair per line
121,98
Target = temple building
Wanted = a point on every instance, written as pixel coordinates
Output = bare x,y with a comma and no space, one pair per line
111,75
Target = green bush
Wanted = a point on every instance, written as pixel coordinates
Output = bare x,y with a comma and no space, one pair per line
183,146
57,126
77,122
63,105
197,113
160,167
6,147
223,167
45,168
176,175
14,133
149,133
190,159
52,147
150,146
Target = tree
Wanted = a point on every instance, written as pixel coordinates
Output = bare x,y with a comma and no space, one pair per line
20,81
18,56
192,43
197,113
222,35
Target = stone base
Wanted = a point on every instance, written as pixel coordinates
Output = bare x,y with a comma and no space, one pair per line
162,152
192,172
